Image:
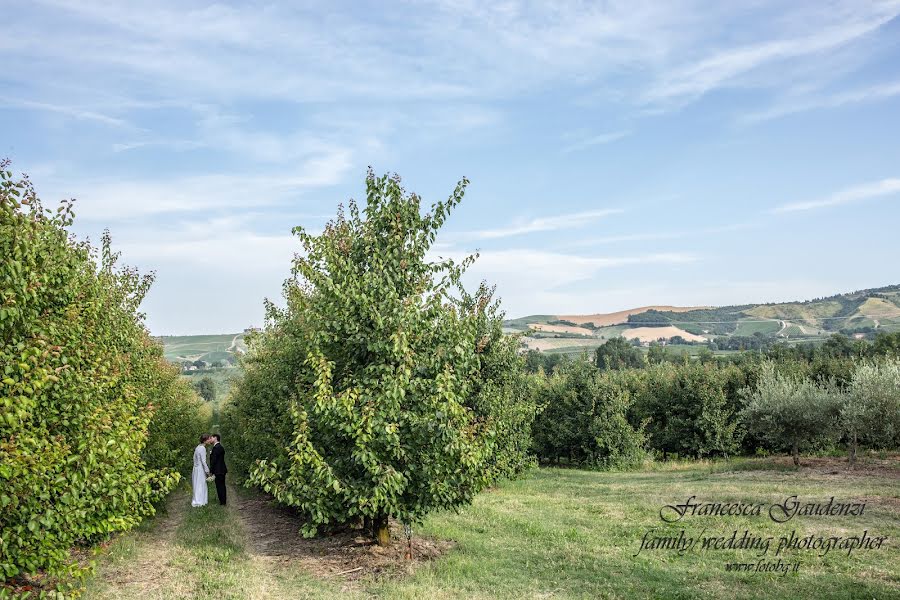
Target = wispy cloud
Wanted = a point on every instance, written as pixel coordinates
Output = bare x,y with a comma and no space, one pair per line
835,100
70,111
595,140
725,66
885,187
661,235
177,145
110,200
567,221
536,281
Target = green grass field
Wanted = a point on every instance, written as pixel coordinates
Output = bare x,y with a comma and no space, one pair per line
750,327
555,534
201,347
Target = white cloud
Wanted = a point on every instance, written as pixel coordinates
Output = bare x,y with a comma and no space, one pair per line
567,221
595,140
826,31
531,279
660,235
823,100
109,200
70,111
885,187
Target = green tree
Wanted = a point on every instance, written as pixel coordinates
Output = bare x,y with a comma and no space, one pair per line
887,344
584,418
656,353
206,388
398,396
790,412
616,354
687,410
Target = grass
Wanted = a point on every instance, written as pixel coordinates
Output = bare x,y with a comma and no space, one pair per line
192,553
200,347
558,533
748,328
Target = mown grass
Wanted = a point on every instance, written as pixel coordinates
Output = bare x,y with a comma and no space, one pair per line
565,533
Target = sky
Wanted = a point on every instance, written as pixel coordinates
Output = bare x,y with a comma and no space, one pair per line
621,154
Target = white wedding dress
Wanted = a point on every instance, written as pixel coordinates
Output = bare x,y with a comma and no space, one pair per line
198,477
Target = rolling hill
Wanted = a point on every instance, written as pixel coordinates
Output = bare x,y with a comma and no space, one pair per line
209,348
860,314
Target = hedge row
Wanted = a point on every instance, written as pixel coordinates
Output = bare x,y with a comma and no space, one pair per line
92,419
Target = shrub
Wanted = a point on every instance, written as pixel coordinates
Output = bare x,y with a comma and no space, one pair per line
398,390
257,419
79,376
177,420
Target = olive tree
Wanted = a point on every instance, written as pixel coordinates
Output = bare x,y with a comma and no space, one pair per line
871,411
790,412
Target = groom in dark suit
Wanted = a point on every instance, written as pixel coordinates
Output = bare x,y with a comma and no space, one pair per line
217,467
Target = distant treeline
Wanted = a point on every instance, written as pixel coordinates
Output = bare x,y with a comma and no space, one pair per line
719,321
621,408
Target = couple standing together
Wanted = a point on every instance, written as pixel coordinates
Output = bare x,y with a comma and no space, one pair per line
202,473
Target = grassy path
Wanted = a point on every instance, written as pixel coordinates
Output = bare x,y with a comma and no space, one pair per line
556,534
193,552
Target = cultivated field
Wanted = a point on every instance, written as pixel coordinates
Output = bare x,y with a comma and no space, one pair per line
545,344
554,534
571,329
650,334
615,318
209,348
864,312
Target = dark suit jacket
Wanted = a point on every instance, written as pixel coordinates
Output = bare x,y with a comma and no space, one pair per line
217,460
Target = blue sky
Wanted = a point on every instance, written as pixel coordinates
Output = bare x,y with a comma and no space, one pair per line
620,153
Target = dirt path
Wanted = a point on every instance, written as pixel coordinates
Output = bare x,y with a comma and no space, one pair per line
250,549
273,534
139,563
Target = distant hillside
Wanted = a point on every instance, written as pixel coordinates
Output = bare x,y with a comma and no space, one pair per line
860,314
208,348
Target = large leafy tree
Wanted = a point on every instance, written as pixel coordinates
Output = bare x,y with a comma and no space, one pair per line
403,395
81,385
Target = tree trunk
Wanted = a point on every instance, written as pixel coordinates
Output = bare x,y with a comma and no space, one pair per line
853,446
795,452
381,530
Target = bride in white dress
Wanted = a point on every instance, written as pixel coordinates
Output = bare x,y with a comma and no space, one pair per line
200,473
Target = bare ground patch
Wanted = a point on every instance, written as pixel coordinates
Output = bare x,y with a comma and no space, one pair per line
888,468
273,532
143,575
